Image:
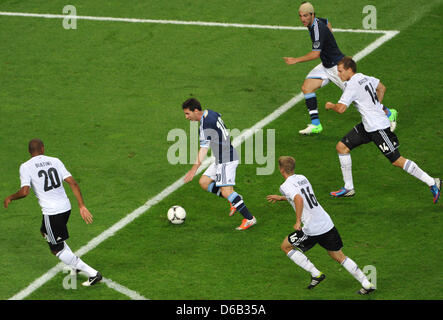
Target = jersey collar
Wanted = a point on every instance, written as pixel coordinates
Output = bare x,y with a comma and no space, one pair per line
313,23
205,114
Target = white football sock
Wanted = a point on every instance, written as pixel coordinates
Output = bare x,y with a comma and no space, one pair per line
302,261
346,169
414,170
69,258
353,269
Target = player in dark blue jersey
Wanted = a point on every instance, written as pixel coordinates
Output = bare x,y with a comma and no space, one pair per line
324,47
219,178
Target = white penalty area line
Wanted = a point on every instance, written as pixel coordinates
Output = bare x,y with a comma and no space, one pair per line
133,295
246,134
176,22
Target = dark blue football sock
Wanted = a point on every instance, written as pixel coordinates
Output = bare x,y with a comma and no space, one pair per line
214,189
311,104
237,202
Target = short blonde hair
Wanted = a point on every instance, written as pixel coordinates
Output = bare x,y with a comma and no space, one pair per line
306,7
286,163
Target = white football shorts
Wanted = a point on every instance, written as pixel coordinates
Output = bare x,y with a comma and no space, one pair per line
326,74
222,173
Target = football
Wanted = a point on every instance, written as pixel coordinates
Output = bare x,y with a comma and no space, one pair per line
176,215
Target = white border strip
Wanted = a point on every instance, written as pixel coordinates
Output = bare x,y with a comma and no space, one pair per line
123,290
177,22
133,295
388,35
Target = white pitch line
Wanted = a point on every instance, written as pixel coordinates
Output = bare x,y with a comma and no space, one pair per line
123,290
176,22
389,34
37,283
133,295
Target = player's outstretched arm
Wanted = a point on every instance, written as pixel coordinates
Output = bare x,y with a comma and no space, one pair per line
84,212
200,157
23,192
273,198
86,215
339,107
380,90
307,57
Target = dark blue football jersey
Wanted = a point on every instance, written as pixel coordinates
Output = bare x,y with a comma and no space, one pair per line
214,135
323,40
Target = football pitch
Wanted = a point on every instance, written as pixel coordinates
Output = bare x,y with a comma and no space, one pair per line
105,95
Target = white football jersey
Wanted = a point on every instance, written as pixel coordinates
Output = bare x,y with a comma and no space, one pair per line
45,176
361,90
314,218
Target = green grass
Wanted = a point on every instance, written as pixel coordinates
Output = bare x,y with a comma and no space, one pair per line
104,97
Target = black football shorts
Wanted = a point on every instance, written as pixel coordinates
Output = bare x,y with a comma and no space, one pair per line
330,240
55,228
386,141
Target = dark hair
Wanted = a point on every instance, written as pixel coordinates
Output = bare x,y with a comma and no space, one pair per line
347,63
192,104
35,146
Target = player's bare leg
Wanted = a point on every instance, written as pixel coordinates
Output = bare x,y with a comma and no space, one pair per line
205,181
208,184
310,85
338,256
286,246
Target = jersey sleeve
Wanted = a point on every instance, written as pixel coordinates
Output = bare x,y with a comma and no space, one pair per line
348,96
374,81
318,39
205,126
208,130
25,177
63,171
288,191
204,140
